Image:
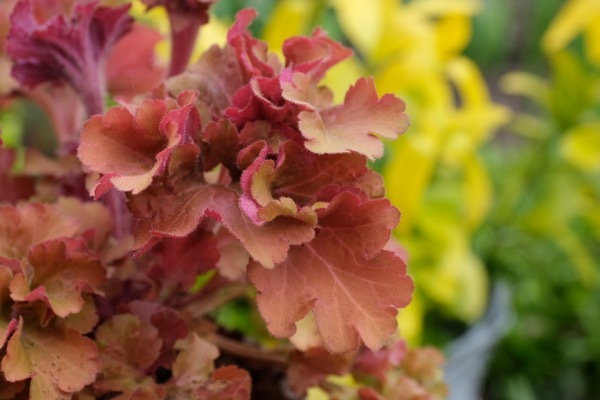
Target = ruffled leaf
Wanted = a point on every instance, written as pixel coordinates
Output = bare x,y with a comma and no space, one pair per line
128,347
314,55
352,287
129,150
62,271
352,126
69,51
58,361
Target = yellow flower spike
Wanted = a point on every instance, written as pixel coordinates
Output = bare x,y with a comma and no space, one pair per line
581,146
460,281
477,191
361,21
408,175
438,8
288,18
481,115
573,18
453,35
592,42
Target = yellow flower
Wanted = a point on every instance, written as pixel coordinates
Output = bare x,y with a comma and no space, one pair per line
574,18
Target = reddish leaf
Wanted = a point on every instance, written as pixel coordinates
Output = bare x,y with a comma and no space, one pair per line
9,390
128,346
178,261
258,202
14,188
424,364
301,174
233,257
171,327
253,55
194,363
314,55
216,76
130,73
28,224
62,271
224,144
131,150
71,364
70,51
351,126
227,383
352,287
309,368
85,320
94,220
376,364
261,99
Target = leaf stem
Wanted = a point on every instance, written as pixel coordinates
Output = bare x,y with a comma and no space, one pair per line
201,303
278,356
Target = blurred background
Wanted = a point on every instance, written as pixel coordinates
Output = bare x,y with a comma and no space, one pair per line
498,178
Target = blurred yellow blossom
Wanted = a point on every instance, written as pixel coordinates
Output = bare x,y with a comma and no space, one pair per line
575,17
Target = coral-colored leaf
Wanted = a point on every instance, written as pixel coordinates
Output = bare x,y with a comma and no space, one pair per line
195,361
69,51
227,383
352,126
216,76
128,346
28,224
258,202
181,260
352,287
309,368
302,174
314,55
171,327
130,150
130,73
253,55
58,361
62,271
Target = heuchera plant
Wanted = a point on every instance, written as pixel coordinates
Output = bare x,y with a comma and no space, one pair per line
233,178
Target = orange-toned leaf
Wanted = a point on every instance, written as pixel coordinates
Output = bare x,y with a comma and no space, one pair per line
353,287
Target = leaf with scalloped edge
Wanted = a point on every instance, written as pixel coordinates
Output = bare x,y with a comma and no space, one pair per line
314,55
63,269
28,224
128,347
58,361
354,125
252,54
257,200
352,286
130,150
